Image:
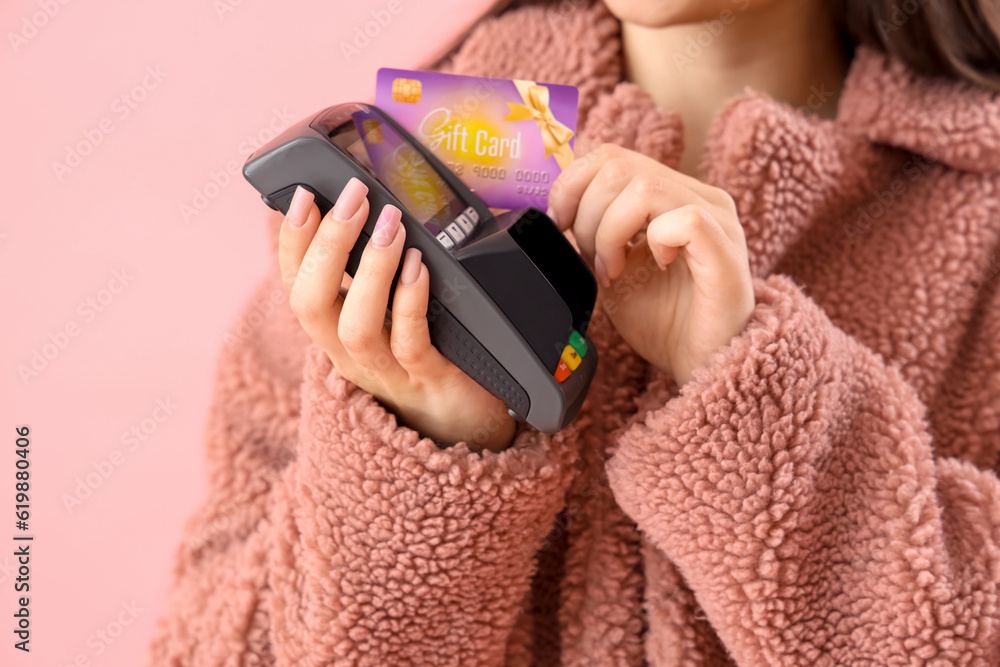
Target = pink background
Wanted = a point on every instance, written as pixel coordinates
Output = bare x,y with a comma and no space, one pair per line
227,69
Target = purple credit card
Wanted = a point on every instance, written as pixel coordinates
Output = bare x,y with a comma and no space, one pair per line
506,139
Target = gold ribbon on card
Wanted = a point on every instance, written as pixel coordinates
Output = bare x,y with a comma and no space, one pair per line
555,135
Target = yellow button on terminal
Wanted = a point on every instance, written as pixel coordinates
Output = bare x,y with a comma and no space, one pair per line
571,358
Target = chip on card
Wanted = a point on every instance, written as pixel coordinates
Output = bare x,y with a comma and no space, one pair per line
406,90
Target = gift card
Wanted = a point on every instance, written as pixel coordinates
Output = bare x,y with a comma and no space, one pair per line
507,139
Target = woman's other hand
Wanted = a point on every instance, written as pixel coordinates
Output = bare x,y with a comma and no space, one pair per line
396,363
668,251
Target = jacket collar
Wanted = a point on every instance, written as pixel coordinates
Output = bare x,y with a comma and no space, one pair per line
956,123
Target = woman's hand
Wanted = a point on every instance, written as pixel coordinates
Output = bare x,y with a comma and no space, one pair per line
681,289
397,364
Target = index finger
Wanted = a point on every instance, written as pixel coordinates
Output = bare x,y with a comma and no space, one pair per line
569,186
297,230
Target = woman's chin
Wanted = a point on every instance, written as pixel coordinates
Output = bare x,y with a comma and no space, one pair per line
665,13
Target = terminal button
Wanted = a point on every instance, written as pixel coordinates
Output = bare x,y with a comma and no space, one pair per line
562,372
445,240
570,357
578,343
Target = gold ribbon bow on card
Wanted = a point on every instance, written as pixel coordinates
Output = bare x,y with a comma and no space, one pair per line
555,135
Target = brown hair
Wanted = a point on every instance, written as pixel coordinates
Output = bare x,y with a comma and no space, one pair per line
959,39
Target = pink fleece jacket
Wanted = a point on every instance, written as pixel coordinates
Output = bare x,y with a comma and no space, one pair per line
824,492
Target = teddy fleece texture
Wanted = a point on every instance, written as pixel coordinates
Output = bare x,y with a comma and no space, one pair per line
824,492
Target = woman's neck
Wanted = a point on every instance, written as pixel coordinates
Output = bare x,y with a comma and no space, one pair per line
788,49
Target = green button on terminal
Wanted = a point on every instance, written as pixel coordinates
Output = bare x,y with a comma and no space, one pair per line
578,343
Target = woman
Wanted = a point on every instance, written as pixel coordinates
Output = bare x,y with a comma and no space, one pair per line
789,453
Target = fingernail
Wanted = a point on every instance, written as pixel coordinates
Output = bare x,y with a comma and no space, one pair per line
602,273
350,199
385,227
552,215
298,209
411,267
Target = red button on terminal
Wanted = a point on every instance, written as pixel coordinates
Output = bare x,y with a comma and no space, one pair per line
562,371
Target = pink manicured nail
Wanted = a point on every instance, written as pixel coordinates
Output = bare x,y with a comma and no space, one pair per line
602,273
659,261
411,267
350,199
385,227
298,209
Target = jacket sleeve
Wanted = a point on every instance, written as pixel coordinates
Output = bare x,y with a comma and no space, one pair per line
336,536
793,483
